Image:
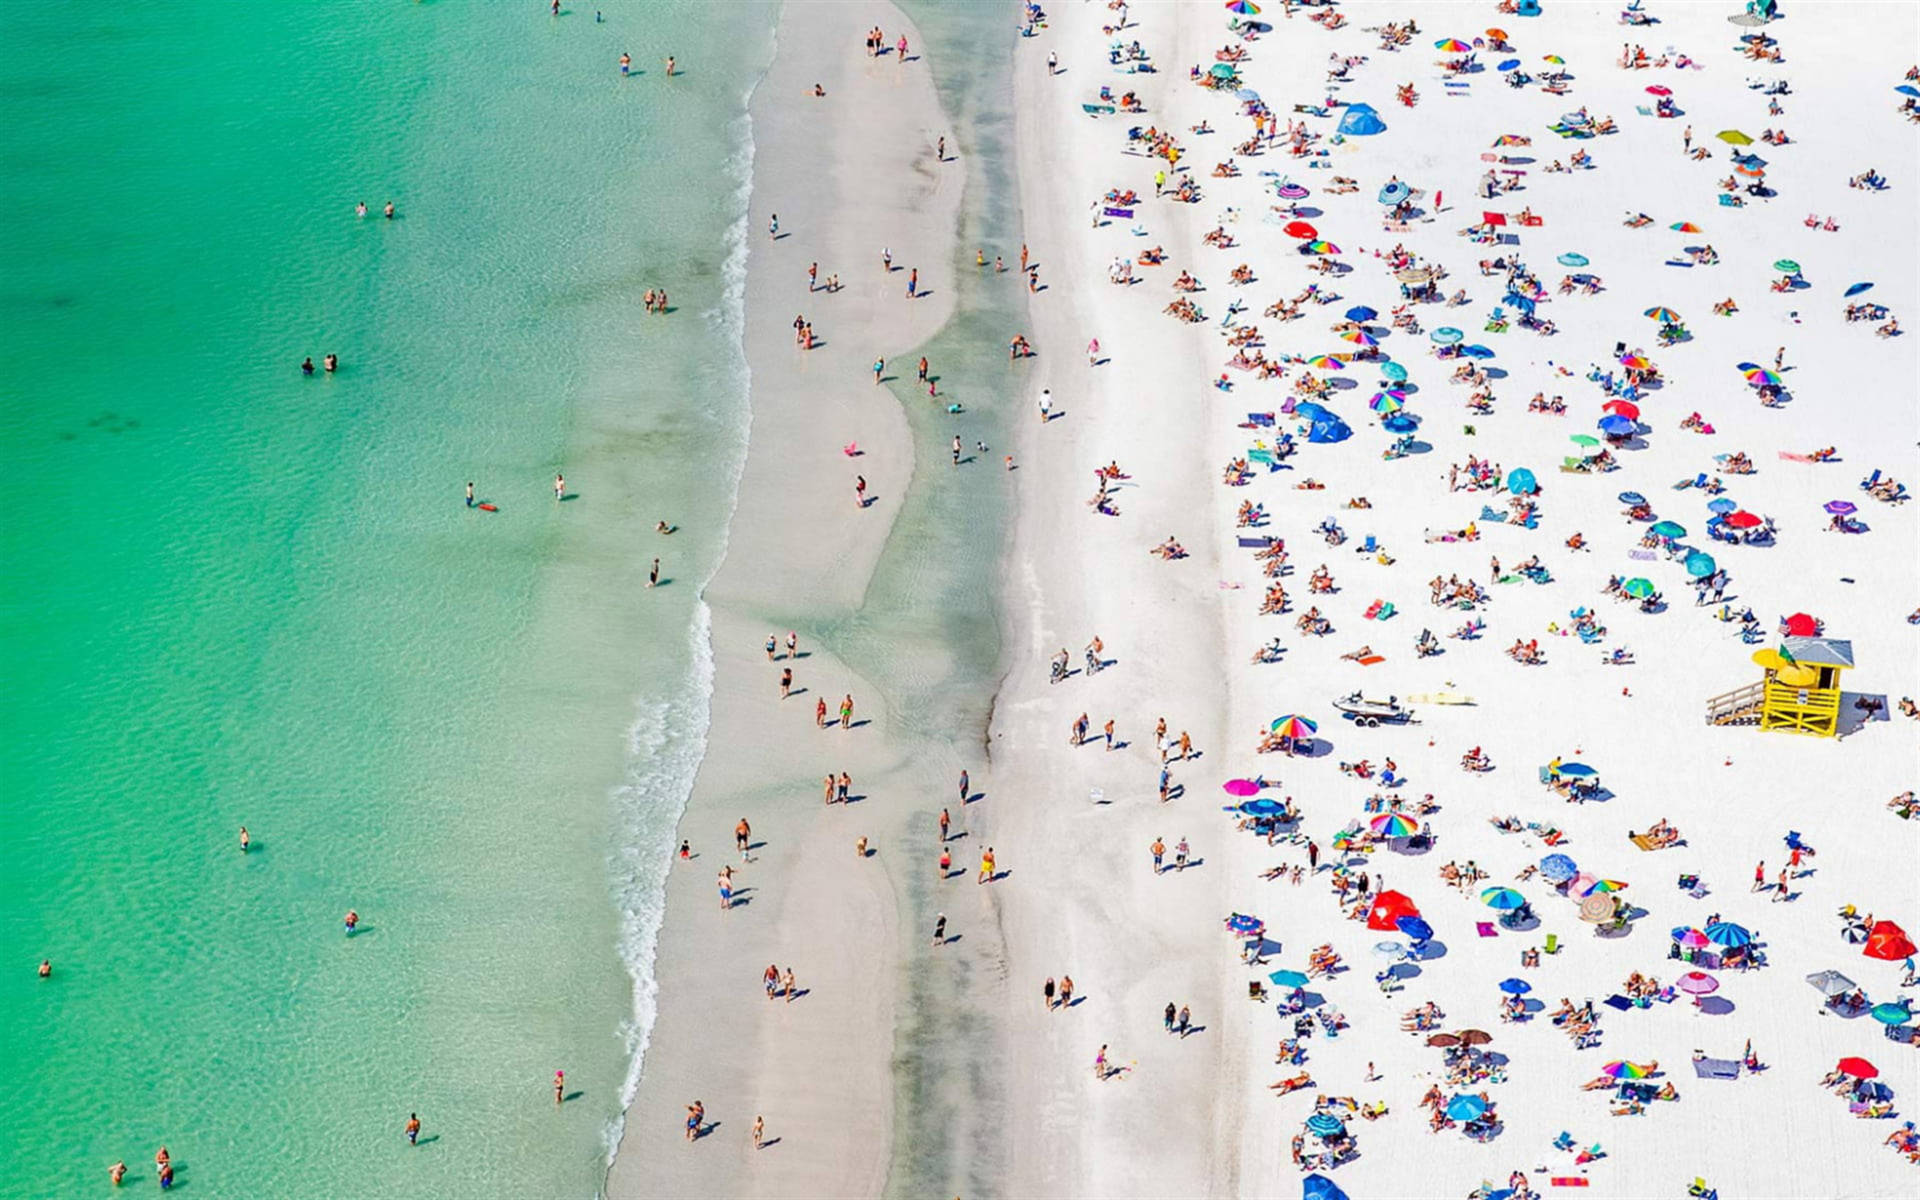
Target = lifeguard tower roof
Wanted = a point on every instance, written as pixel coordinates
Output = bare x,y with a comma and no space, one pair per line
1820,652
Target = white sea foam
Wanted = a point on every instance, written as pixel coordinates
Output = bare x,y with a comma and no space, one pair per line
668,739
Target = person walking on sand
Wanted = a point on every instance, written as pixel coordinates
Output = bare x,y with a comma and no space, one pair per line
770,979
1159,850
813,276
826,789
1078,735
945,821
844,786
793,644
1169,1016
859,491
940,929
786,682
1186,1020
626,63
1066,991
1313,857
1759,876
1780,888
1160,736
1100,1070
742,836
846,711
696,1117
413,1129
1046,405
879,365
772,645
1093,352
956,449
987,871
1186,746
1686,139
913,281
923,368
773,228
1180,853
653,574
1046,993
1108,729
966,788
946,862
820,713
1166,783
787,986
759,1133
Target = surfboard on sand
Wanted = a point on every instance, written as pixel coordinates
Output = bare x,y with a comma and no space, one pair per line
488,508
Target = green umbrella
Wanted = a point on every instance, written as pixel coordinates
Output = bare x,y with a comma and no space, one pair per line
1220,70
1788,265
1639,589
1733,137
1668,529
1584,439
1290,979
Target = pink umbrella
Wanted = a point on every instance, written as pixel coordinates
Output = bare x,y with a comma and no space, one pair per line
1658,90
1697,983
1693,939
1240,787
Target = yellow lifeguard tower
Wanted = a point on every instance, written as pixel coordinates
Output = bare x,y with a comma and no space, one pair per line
1799,694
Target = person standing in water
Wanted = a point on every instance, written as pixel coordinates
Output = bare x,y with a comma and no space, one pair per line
351,921
671,68
246,840
413,1129
559,487
117,1172
653,573
626,63
469,493
559,1087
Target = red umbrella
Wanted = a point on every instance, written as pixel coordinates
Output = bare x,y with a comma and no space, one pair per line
1389,907
1301,230
1801,625
1742,519
1888,941
1624,408
1859,1068
1658,90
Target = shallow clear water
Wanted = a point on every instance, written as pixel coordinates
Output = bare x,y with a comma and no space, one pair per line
233,595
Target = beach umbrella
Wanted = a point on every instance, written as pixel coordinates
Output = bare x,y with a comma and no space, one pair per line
1578,884
1385,403
1733,137
1414,926
1637,587
1246,94
1801,625
1414,274
1726,933
1446,335
1722,505
1361,121
1857,288
1221,70
1400,422
1788,265
1639,362
1345,838
1907,89
1393,372
1452,46
1659,90
1474,1037
1893,1012
1318,247
1692,939
1597,908
1699,565
1576,770
1571,259
1685,227
1313,412
1631,498
1288,979
1361,312
1392,951
1394,825
1242,923
1512,139
1751,171
1476,350
1626,1070
1665,316
1388,909
1859,1068
1603,886
1622,408
1831,983
1297,728
1741,520
1839,508
1359,337
1302,230
1466,1107
1521,482
1245,8
1292,191
1760,375
1240,787
1319,1187
1888,941
1668,529
1558,868
1394,192
1508,65
1502,898
1498,35
1515,987
1584,439
1262,807
1325,1125
1324,362
1697,983
1444,1041
1555,59
1614,425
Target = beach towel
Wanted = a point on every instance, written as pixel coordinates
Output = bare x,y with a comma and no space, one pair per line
1255,542
1123,213
1791,457
1485,928
1371,659
1618,1001
1642,840
1641,555
1492,515
1568,1181
1717,1068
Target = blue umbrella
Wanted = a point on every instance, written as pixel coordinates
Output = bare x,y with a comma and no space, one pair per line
1395,192
1521,482
1329,431
1319,1187
1907,89
1577,770
1313,411
1261,807
1415,928
1400,422
1571,259
1615,425
1893,1012
1361,312
1508,65
1325,1125
1394,372
1465,1107
1700,565
1476,351
1515,987
1361,121
1246,94
1558,868
1726,933
1722,504
1288,979
1242,923
1631,498
1857,288
1446,335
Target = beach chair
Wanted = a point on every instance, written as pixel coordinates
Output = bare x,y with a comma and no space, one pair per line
1553,943
1369,546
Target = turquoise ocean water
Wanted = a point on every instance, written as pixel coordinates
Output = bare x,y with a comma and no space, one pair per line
233,595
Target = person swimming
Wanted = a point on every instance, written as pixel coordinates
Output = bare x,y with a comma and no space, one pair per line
306,368
331,362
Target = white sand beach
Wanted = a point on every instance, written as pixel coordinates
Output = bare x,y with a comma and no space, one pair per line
1194,1112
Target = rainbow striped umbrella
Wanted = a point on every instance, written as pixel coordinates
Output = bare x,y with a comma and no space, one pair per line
1760,375
1626,1070
1452,46
1665,316
1294,727
1555,59
1385,402
1318,247
1502,897
1324,363
1360,337
1394,825
1245,8
1685,227
1603,885
1639,362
